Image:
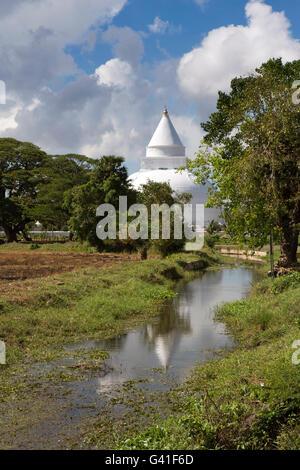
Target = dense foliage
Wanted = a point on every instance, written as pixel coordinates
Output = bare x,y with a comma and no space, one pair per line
107,181
162,193
20,176
60,174
251,156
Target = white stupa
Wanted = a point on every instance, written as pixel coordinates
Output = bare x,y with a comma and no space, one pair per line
165,154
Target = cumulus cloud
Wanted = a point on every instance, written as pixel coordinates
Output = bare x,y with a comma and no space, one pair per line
236,50
34,35
60,121
116,73
115,109
69,20
8,115
127,43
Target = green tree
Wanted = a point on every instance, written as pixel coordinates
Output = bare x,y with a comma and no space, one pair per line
251,157
162,193
20,165
107,181
62,173
213,227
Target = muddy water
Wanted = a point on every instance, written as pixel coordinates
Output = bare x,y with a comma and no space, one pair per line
143,366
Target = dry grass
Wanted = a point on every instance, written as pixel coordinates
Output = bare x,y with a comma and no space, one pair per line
19,269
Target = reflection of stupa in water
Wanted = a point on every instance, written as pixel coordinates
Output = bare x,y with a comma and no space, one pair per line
164,348
165,335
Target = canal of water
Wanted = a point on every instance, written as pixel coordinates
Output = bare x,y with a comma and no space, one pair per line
185,333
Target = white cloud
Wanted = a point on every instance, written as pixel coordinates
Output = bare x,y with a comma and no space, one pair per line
127,43
236,50
133,133
116,73
35,103
116,109
160,26
68,20
8,116
190,132
201,2
34,35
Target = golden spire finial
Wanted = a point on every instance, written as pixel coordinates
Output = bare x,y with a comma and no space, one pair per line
165,111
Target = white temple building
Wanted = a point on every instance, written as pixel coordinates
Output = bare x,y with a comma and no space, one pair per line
164,155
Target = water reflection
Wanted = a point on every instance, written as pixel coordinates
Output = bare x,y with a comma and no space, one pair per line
184,334
165,335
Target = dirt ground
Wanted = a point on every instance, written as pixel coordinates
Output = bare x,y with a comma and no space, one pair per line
16,267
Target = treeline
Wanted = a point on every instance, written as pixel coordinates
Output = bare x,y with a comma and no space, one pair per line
62,192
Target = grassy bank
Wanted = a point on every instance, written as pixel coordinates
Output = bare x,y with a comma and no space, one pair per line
73,247
90,303
251,398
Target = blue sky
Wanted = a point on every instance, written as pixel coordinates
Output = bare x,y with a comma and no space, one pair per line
189,21
92,76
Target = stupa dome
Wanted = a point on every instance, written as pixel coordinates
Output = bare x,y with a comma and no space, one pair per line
164,155
165,141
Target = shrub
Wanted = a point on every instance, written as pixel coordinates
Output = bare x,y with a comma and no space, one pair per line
211,240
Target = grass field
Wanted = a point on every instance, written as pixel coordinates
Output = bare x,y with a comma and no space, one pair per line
73,247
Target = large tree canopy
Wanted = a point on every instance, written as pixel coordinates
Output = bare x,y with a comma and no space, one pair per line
60,174
32,186
107,181
20,164
251,157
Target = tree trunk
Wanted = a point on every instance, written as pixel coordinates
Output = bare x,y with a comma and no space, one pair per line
26,237
11,234
144,252
288,248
